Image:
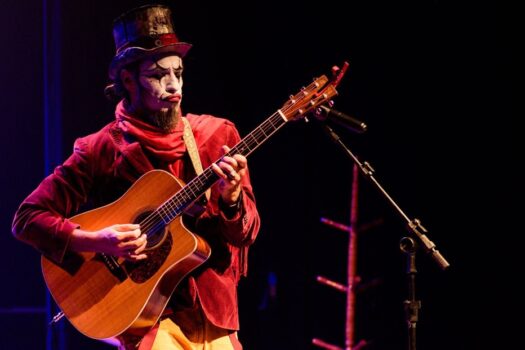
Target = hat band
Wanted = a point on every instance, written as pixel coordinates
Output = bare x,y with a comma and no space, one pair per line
151,42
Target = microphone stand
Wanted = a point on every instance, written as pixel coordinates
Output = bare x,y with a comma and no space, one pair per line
412,306
414,225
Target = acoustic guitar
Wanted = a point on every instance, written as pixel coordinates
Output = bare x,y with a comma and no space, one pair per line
105,297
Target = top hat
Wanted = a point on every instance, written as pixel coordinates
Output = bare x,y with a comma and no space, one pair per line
141,32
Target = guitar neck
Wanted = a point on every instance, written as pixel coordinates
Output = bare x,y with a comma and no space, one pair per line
258,136
174,206
318,92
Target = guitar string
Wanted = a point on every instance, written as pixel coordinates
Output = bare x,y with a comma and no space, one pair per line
151,224
170,208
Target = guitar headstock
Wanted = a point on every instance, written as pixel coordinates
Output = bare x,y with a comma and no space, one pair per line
320,91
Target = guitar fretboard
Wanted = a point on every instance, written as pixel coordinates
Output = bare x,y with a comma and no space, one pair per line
196,187
313,95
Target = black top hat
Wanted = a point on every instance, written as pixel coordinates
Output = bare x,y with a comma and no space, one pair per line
142,32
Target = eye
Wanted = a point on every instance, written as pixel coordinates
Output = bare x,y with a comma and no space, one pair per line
157,76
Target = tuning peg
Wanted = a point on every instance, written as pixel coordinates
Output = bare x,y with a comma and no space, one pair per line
319,112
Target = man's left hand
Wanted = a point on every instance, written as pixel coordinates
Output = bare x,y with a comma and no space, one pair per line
231,170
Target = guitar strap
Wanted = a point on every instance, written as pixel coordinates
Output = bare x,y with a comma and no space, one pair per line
191,146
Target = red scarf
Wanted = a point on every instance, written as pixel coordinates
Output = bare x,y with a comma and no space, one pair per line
165,146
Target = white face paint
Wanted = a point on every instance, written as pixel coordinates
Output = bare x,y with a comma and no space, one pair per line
160,84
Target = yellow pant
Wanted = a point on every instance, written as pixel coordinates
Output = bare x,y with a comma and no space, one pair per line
188,330
170,336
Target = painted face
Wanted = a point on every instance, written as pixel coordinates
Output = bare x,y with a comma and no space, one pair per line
160,84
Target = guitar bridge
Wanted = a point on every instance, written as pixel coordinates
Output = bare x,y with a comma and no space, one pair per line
113,266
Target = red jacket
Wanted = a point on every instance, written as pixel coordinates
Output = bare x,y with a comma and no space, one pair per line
104,165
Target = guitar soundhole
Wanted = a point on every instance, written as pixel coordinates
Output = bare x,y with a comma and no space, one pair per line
153,227
140,272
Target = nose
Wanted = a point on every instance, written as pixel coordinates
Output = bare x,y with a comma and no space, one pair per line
173,83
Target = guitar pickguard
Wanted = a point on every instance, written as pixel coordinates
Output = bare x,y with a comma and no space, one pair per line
141,271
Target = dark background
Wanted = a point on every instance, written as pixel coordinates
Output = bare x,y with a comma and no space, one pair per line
432,79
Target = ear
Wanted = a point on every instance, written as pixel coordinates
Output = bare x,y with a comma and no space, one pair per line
127,79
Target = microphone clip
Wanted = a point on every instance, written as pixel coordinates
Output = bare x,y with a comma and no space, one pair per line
327,113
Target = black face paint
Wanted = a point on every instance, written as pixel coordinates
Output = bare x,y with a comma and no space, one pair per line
158,91
164,120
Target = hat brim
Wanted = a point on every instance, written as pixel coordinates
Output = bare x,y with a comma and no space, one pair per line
133,54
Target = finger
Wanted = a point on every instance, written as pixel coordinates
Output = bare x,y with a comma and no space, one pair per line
230,161
231,174
135,251
125,227
242,165
219,171
133,243
226,172
129,235
134,257
141,248
228,169
241,160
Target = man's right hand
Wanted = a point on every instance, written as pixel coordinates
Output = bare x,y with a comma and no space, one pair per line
122,240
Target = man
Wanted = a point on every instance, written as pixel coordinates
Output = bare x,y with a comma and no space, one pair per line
150,133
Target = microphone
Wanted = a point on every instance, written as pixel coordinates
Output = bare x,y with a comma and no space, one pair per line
327,113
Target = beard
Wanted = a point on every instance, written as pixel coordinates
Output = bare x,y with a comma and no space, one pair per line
166,120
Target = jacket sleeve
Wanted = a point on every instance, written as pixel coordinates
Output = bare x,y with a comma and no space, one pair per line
41,219
241,229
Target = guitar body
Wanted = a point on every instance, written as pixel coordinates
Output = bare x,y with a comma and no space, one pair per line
105,298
